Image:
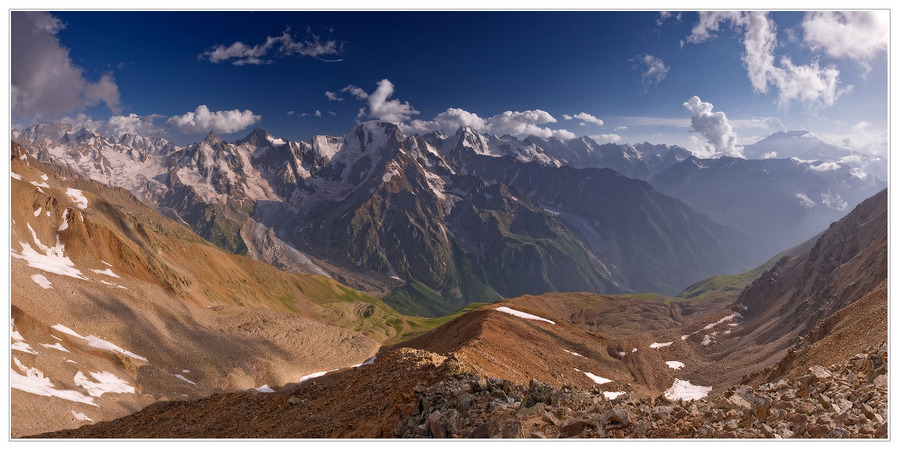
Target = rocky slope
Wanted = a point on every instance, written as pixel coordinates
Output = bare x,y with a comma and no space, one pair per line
801,353
440,397
114,307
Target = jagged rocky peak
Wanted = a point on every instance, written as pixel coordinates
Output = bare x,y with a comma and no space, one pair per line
371,134
261,139
213,139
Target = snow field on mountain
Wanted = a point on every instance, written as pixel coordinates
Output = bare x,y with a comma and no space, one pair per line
81,417
597,379
107,271
98,343
522,314
313,375
660,345
50,259
32,380
185,379
18,343
103,382
674,364
686,390
57,346
41,280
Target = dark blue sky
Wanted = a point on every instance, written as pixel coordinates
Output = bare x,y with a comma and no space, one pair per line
632,70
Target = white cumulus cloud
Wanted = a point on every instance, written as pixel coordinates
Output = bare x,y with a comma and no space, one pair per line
713,126
585,118
521,123
858,35
454,118
44,80
506,123
133,125
332,96
203,120
606,138
388,110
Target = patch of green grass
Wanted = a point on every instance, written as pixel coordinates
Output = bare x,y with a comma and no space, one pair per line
414,298
420,325
716,287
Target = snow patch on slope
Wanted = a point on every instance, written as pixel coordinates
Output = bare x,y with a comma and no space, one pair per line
522,314
98,343
686,390
32,380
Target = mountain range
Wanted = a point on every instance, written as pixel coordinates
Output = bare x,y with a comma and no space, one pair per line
429,222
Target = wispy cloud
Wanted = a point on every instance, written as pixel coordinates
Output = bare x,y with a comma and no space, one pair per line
652,69
239,53
810,84
666,15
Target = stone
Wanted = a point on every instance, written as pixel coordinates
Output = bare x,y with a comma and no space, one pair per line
295,401
537,434
435,425
818,431
550,418
662,412
511,429
882,431
576,427
613,418
483,430
868,411
881,382
739,402
464,401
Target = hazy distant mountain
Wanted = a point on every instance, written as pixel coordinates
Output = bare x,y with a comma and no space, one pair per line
804,145
777,202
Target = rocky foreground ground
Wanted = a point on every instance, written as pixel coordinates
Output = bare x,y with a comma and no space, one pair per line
843,401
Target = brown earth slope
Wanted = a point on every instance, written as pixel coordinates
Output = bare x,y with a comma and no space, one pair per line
115,307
